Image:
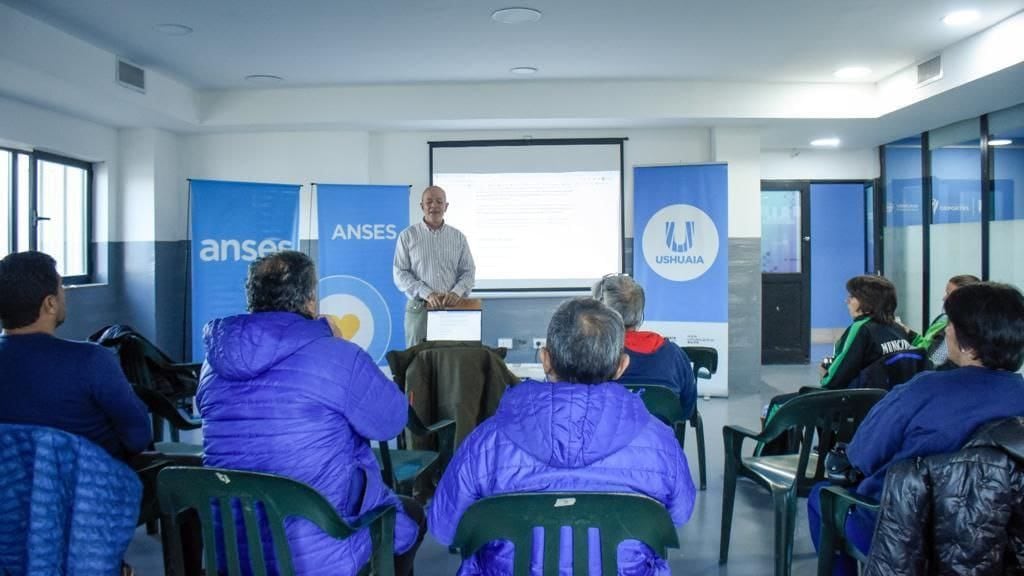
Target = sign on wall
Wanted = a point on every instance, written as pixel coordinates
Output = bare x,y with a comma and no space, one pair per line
358,229
234,223
681,257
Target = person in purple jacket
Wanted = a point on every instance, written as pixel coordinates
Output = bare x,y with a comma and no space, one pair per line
577,432
652,358
279,393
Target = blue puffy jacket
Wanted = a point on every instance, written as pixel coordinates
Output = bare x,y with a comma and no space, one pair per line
68,507
548,437
280,394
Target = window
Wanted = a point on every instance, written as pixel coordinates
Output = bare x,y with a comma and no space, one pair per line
902,227
46,206
1006,220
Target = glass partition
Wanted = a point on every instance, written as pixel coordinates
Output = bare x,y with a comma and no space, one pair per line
902,227
1006,228
955,232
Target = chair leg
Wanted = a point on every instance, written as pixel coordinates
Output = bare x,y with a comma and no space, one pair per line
784,500
828,540
728,500
698,424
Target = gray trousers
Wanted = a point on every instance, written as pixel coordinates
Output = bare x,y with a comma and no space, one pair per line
415,322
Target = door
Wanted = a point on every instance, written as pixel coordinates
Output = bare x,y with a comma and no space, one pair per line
785,273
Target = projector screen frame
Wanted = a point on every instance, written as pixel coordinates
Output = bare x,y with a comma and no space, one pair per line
619,141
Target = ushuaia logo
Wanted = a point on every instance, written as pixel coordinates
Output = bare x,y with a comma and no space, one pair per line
670,236
680,242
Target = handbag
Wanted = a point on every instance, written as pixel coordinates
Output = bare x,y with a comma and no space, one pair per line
838,469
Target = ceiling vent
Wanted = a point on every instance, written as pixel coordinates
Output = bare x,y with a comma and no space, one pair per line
131,76
929,71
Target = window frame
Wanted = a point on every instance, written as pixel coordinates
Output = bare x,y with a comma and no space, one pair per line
33,157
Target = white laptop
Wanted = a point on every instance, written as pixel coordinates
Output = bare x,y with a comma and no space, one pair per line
462,325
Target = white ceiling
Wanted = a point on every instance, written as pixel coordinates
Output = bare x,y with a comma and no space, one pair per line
331,42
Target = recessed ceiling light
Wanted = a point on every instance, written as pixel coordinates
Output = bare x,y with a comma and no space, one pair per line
516,15
960,17
826,142
852,72
1000,142
174,29
523,70
263,78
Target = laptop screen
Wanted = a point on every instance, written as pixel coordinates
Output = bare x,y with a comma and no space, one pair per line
454,325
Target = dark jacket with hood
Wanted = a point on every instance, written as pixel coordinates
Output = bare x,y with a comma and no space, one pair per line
560,437
959,513
863,342
655,360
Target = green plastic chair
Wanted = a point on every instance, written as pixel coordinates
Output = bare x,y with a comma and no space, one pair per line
663,403
836,504
617,517
401,469
705,365
183,488
834,415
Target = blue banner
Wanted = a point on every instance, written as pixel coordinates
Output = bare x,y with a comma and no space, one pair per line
233,223
358,229
681,241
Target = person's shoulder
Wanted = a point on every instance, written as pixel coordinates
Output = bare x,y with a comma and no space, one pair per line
82,350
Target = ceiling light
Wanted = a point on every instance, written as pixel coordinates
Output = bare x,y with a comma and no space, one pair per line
174,29
1000,142
516,15
523,70
263,78
960,17
826,142
852,72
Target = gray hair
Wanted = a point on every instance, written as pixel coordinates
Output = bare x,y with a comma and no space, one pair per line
281,282
625,296
585,340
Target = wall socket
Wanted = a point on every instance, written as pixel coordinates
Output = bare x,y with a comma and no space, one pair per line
505,343
539,343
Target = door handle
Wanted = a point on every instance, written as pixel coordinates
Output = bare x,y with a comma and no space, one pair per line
778,309
807,238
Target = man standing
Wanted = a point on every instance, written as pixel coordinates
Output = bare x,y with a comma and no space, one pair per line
77,387
433,265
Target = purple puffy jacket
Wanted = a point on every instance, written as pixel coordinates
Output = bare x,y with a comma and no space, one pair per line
280,394
550,437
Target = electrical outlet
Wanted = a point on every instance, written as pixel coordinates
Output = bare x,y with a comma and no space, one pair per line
505,343
539,343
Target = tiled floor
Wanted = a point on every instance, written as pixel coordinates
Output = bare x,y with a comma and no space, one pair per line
751,549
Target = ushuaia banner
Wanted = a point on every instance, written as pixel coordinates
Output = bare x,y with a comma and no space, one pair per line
358,229
234,223
681,258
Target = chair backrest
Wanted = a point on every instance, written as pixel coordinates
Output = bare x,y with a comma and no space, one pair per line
704,359
617,517
893,369
260,497
833,415
661,401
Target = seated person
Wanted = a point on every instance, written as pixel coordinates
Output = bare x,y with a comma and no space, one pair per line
579,431
77,387
933,340
871,302
652,358
937,412
280,394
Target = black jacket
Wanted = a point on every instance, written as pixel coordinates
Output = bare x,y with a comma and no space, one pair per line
869,341
960,513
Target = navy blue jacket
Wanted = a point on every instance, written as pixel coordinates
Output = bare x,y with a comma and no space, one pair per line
655,360
77,387
933,413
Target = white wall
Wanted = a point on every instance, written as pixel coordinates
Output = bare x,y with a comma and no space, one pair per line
22,125
351,157
819,164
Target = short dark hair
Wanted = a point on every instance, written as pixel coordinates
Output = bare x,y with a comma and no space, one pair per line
989,319
877,297
585,340
962,280
281,282
26,279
